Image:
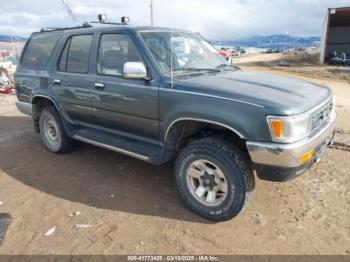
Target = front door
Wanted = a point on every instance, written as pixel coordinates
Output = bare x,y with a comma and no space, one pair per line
72,81
128,106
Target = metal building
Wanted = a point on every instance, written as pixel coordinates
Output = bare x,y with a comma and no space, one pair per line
336,33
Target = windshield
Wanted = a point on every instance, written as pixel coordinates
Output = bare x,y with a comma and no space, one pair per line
187,51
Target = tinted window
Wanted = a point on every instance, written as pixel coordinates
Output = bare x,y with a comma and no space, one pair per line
76,54
115,50
38,50
63,61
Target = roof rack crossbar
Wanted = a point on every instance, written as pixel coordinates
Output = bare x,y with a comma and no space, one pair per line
106,23
51,29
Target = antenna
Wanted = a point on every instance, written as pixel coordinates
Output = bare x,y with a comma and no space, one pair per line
69,11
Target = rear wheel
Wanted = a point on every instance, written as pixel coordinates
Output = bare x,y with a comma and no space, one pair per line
52,131
214,178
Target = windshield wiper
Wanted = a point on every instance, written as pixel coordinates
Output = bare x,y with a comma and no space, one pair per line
222,66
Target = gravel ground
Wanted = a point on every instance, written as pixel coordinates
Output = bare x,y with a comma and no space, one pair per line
99,202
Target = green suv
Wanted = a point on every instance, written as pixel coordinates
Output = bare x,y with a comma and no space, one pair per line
159,94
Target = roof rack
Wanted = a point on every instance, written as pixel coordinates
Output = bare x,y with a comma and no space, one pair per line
102,21
50,29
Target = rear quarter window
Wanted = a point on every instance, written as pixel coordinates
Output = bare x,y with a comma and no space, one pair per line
38,51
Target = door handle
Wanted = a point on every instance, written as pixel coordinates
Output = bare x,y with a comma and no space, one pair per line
99,85
57,82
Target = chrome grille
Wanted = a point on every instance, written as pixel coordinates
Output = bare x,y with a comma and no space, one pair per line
321,117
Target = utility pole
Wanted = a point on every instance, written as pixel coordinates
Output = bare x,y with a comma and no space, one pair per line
151,7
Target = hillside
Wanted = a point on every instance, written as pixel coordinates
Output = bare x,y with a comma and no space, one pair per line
7,38
272,41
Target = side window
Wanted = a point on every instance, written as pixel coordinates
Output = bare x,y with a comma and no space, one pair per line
76,54
38,51
115,50
62,66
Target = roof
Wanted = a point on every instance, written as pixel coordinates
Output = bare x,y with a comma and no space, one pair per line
339,17
86,28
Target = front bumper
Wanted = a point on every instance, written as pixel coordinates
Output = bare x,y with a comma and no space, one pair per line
281,162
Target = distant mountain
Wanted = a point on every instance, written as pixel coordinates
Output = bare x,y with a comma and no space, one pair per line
7,38
273,41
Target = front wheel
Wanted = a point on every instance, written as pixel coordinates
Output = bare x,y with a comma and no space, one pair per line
214,178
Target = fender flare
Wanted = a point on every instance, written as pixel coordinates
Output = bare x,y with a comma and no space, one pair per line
66,121
239,134
62,114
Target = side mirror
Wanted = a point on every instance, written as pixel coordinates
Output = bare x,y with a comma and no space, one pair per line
134,70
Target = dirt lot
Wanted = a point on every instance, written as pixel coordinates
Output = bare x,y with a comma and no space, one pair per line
133,208
298,63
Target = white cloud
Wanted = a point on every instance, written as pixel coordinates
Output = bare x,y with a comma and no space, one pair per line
220,19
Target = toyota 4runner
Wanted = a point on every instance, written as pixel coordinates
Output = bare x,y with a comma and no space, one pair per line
157,94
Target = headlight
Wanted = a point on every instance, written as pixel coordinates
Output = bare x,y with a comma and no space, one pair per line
289,129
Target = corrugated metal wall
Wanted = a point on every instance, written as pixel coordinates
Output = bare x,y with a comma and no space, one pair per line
342,48
339,39
339,35
336,33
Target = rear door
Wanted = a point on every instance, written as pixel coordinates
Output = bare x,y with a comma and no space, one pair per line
72,81
129,106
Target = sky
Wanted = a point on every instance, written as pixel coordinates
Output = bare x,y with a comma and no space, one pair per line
215,20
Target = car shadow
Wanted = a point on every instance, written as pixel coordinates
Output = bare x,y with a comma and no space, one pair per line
90,175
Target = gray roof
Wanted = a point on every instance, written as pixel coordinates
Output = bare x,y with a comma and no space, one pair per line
107,27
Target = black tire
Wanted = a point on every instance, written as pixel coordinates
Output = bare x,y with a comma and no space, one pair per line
63,143
236,167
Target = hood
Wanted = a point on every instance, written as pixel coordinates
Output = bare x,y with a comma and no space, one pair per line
279,95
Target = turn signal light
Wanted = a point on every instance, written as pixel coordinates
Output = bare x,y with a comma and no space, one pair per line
277,126
307,156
